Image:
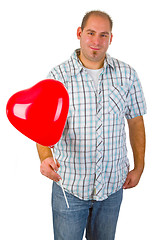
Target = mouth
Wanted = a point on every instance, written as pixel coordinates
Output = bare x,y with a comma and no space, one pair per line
95,49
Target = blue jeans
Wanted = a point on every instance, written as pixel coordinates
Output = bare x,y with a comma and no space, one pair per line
99,218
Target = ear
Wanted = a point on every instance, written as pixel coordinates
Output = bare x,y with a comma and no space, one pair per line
111,37
79,31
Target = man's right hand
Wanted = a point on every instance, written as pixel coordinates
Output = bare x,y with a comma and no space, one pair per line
49,168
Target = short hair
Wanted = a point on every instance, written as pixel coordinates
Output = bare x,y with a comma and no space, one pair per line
95,13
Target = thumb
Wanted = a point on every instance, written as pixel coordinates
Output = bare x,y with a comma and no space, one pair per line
126,183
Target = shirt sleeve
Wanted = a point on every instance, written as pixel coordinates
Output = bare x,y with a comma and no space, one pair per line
54,74
57,73
135,104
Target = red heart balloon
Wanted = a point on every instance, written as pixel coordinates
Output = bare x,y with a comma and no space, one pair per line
40,112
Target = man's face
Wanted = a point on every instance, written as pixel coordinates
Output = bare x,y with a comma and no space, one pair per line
94,39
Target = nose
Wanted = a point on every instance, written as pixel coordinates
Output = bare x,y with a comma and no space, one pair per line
96,40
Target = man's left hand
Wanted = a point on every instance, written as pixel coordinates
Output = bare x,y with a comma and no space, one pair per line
132,179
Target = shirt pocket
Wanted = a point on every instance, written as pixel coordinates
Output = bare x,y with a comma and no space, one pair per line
117,99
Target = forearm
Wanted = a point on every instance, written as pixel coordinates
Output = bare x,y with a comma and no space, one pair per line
43,152
137,140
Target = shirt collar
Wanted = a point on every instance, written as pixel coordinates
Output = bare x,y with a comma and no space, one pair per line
108,61
77,66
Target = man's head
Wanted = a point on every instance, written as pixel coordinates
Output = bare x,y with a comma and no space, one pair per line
96,13
95,35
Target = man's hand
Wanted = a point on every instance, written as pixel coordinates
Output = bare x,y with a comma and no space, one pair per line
132,179
49,168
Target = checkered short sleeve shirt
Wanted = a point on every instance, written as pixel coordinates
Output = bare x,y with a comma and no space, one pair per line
92,150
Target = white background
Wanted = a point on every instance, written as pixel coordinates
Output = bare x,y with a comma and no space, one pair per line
37,35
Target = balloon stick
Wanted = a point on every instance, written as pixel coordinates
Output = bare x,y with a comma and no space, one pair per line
60,181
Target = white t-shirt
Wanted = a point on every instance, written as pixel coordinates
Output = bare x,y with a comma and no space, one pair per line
94,73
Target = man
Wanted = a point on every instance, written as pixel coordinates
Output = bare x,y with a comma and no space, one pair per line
91,155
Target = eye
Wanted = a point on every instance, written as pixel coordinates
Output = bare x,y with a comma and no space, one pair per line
104,35
91,33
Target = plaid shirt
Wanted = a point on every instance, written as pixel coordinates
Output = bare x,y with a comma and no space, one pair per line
92,150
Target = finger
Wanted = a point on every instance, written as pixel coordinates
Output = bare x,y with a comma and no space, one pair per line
53,172
130,184
50,173
54,165
126,184
55,177
58,164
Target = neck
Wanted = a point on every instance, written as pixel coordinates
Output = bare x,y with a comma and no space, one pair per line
91,64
